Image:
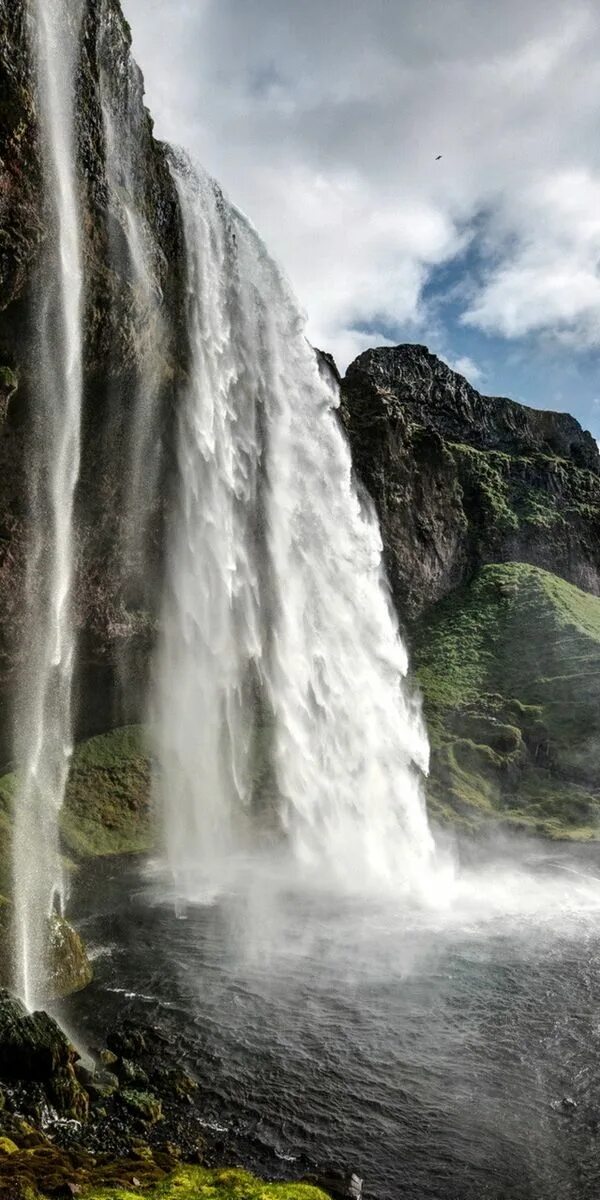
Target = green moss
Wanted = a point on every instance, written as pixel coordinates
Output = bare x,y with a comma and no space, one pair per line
144,1105
107,803
510,671
195,1183
8,380
70,968
486,473
504,493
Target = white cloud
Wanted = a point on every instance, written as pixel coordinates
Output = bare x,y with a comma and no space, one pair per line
323,121
465,366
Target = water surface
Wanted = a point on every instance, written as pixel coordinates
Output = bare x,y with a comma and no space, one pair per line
436,1050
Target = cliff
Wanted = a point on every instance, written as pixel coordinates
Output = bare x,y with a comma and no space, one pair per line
116,588
490,514
460,480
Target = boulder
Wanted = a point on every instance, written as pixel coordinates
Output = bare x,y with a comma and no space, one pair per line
34,1049
69,967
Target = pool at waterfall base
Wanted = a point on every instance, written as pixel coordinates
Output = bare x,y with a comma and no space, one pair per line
442,1051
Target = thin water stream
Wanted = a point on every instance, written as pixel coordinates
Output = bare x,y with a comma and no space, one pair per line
43,714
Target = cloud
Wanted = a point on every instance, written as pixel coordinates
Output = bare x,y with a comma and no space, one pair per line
465,366
323,121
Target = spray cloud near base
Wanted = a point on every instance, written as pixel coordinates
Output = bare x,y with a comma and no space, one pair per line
282,713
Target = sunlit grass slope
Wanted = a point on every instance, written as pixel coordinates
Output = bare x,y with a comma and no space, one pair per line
510,671
194,1183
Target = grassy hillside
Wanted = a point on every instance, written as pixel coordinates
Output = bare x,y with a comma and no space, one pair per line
510,672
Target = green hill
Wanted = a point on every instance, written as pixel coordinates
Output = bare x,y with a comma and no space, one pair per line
510,671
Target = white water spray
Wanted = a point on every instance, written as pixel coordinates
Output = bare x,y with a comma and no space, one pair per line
134,254
43,727
279,638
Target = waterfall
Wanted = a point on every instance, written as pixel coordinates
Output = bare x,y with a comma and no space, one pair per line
43,723
279,639
134,255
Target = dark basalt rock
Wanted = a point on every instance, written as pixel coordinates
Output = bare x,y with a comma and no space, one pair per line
460,480
435,395
34,1050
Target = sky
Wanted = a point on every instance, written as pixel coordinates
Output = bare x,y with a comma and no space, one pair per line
324,119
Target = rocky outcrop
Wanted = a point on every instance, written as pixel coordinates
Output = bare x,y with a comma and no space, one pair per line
475,494
69,968
460,480
68,1129
34,1050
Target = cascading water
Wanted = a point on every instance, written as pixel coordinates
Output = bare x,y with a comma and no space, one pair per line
211,619
133,254
43,725
279,639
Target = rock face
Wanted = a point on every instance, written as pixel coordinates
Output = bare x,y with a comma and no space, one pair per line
115,598
34,1050
460,480
475,495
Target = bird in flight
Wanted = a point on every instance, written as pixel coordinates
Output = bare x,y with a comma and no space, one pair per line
438,157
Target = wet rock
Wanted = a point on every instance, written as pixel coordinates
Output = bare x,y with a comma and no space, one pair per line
33,1049
338,1183
107,1058
98,1082
69,968
128,1041
131,1072
181,1084
144,1105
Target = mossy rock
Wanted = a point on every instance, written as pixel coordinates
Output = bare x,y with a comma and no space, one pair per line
107,807
34,1049
510,672
69,968
142,1104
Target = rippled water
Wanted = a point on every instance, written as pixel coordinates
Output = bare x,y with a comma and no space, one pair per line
431,1050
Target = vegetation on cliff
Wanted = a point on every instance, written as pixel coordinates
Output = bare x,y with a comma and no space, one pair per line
460,479
510,671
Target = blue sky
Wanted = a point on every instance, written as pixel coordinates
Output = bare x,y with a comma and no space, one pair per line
323,121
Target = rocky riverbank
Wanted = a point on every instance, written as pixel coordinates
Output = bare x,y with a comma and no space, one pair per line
127,1119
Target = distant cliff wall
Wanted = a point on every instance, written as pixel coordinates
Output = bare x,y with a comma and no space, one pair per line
460,480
